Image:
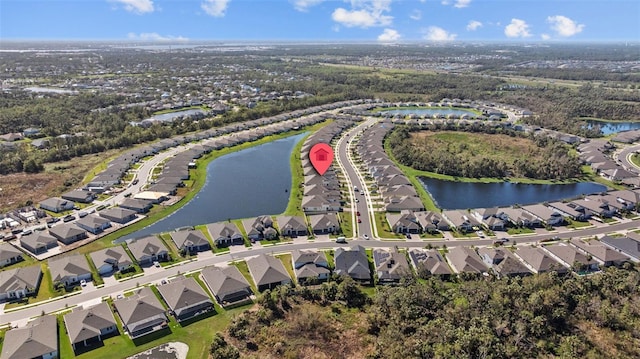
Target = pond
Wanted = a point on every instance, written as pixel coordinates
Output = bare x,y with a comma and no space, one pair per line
429,112
170,116
608,128
463,195
252,182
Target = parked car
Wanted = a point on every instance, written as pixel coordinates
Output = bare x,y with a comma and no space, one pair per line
341,240
359,220
365,236
83,283
68,218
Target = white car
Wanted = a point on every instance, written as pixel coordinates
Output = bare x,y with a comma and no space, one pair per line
83,283
365,236
480,234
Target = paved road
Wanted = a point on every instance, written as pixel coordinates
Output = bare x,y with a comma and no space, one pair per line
624,157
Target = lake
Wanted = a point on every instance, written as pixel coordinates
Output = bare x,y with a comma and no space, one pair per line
608,128
463,195
429,112
170,116
247,183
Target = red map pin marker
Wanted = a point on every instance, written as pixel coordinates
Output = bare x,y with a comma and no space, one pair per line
321,156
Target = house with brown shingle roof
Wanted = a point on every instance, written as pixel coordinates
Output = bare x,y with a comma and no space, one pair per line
267,272
90,325
141,313
465,260
190,241
603,254
227,284
571,258
185,298
539,260
148,250
390,265
431,261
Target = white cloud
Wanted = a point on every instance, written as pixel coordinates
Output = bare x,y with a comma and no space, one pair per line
457,4
434,33
137,6
364,14
154,36
215,8
389,35
304,5
416,15
545,37
517,28
474,25
563,26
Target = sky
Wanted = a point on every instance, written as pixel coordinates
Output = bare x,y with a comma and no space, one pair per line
385,21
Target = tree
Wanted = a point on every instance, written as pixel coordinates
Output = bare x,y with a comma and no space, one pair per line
220,349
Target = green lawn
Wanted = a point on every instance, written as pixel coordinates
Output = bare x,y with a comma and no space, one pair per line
577,224
45,290
522,230
346,226
384,230
635,159
288,265
242,267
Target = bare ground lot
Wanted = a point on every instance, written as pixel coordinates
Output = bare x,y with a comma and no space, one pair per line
20,189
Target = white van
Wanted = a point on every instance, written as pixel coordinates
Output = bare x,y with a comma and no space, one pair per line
341,240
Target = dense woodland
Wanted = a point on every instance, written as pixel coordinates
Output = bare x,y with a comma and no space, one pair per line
538,157
539,316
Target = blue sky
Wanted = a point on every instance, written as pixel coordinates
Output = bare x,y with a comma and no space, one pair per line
322,20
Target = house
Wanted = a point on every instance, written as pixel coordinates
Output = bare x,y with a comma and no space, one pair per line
68,233
186,298
571,258
403,203
225,234
38,242
147,250
465,260
79,196
119,215
629,244
603,254
112,259
597,208
90,325
190,241
227,284
9,255
429,261
352,262
138,205
546,214
37,339
431,222
93,223
69,270
404,222
319,204
462,221
521,218
141,313
267,272
539,261
310,265
502,262
292,226
20,282
324,223
390,265
56,205
573,211
260,227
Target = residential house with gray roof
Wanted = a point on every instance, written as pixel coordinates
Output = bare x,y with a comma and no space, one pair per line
227,284
93,223
56,205
190,241
465,260
68,233
462,221
431,222
571,258
138,205
37,339
260,227
141,313
390,265
403,203
292,226
352,262
503,262
185,297
38,242
87,326
20,282
538,260
9,255
430,261
324,223
147,250
629,244
548,215
310,265
110,260
267,272
603,254
225,234
404,222
79,195
119,214
69,270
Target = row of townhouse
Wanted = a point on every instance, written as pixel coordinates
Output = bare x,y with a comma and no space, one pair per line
596,154
321,193
395,188
40,242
